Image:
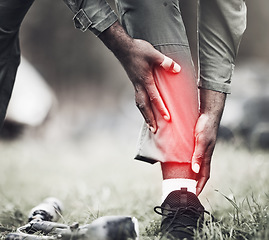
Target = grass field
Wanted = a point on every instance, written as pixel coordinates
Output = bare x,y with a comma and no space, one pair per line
96,176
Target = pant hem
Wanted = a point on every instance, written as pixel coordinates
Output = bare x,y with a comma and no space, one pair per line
145,159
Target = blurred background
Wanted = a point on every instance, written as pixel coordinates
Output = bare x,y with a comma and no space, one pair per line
77,116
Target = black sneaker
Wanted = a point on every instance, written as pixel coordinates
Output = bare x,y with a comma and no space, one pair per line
182,213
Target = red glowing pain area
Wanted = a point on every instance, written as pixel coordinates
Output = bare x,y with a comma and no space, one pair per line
174,139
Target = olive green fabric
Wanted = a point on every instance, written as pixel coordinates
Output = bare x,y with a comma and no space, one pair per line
221,26
95,15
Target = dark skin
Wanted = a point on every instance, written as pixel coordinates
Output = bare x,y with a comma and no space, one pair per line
211,108
138,58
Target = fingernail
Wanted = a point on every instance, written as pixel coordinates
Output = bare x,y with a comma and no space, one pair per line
196,167
152,129
166,117
176,68
166,63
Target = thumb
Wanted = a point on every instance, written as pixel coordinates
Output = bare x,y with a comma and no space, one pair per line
170,65
198,156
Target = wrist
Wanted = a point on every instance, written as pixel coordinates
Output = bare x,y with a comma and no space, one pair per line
211,106
211,102
117,40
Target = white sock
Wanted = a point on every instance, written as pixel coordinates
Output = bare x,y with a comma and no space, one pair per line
170,185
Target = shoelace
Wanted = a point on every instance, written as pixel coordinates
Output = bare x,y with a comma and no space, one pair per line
174,217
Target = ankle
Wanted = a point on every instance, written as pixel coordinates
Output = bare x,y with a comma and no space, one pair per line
172,170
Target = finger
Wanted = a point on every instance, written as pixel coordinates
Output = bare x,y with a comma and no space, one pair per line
201,184
198,155
156,99
144,106
166,63
170,65
203,176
